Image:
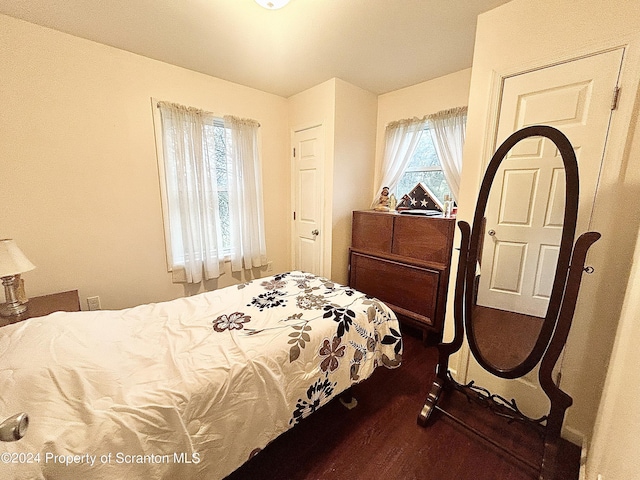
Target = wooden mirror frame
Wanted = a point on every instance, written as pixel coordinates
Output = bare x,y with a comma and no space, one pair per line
555,330
564,255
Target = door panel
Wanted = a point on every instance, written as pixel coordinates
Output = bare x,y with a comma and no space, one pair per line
308,158
561,105
523,207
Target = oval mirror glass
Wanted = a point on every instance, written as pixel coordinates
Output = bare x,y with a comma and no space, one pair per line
520,245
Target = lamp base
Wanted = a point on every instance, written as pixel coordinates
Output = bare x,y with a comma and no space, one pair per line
13,306
11,310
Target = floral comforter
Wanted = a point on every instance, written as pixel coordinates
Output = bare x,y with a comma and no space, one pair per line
190,388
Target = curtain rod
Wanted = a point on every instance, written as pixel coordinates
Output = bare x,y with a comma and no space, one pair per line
442,113
204,111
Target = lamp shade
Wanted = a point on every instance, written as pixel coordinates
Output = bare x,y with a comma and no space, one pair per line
12,260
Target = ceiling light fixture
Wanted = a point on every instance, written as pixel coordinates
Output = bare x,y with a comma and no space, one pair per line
272,4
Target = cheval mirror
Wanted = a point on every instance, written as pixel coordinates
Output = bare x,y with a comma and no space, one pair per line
518,278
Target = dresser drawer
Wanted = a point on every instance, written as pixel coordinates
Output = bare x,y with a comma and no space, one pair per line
428,239
410,291
372,231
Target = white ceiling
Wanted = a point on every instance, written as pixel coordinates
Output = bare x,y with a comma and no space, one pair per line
378,45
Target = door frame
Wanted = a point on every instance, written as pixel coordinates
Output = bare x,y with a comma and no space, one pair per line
324,231
617,145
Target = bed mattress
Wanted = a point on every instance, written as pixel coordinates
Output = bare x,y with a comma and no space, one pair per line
190,388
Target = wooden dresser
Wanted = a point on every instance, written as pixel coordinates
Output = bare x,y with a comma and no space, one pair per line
404,260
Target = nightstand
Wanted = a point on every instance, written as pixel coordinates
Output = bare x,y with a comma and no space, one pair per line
46,304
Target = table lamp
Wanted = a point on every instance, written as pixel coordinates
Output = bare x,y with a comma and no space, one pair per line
12,263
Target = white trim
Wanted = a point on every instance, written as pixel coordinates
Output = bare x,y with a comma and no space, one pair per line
574,436
157,129
584,452
325,251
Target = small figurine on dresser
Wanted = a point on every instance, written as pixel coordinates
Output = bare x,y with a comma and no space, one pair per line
383,201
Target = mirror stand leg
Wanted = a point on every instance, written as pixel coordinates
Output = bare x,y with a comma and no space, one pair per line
560,401
431,402
549,460
445,350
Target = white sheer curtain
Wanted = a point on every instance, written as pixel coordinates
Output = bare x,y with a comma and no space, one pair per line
448,131
401,139
248,246
202,169
192,196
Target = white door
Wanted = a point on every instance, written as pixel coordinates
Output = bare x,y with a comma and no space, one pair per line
308,160
575,97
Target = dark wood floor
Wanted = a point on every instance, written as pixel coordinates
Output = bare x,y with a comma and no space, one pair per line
505,338
380,438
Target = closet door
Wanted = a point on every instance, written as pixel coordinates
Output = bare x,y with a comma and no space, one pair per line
308,167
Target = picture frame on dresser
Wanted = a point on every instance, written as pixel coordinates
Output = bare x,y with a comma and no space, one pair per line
404,260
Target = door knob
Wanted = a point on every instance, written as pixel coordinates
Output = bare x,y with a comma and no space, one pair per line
491,233
315,232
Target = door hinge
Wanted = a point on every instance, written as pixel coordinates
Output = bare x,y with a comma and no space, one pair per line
614,100
294,152
294,215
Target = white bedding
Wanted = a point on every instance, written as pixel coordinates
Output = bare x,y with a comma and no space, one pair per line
189,388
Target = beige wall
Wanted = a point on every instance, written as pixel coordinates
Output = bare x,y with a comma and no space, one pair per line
523,35
80,190
355,142
316,106
614,451
348,114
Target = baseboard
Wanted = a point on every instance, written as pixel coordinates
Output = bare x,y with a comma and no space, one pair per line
574,436
583,461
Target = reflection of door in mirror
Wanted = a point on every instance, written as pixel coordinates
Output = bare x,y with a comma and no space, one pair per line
523,228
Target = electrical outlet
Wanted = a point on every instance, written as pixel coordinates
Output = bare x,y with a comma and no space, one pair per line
93,303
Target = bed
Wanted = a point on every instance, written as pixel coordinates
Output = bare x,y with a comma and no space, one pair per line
190,388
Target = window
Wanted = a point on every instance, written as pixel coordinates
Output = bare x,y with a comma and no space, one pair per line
215,144
427,150
211,192
218,137
424,166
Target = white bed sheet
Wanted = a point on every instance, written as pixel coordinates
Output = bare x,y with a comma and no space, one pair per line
190,388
